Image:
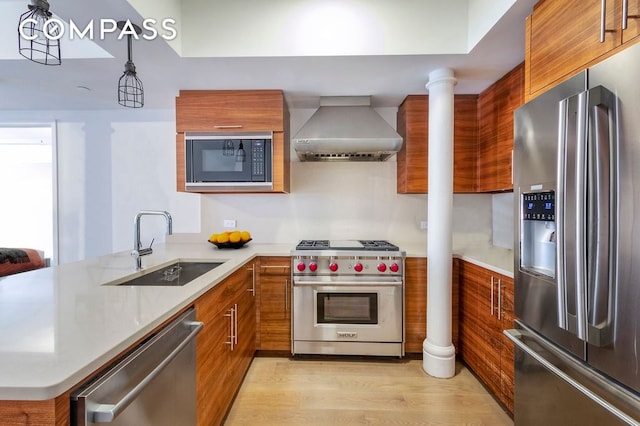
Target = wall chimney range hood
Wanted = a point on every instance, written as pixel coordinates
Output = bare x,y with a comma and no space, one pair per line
346,128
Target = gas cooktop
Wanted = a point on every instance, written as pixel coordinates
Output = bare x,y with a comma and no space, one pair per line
373,245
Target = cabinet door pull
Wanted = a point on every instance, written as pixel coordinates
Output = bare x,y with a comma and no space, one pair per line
229,126
235,320
286,295
603,21
253,279
491,296
231,341
499,299
625,14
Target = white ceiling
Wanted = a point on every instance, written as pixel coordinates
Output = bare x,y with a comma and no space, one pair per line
308,48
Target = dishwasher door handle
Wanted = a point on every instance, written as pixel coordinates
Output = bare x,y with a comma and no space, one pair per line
106,413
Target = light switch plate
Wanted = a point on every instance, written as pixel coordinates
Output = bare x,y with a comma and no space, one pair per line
229,223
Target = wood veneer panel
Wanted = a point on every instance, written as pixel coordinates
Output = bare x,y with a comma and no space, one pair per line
412,160
416,304
229,110
465,148
274,326
415,296
565,36
413,126
36,413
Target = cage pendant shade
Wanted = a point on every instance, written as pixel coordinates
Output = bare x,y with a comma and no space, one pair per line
130,90
38,39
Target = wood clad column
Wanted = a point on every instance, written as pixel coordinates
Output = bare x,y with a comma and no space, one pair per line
438,350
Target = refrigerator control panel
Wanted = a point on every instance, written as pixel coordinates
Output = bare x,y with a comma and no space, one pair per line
539,206
538,233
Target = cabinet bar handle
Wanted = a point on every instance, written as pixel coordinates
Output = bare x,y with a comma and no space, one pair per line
235,320
625,14
229,126
253,279
603,19
499,299
491,296
286,295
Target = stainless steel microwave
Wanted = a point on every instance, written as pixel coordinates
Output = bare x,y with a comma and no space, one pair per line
228,161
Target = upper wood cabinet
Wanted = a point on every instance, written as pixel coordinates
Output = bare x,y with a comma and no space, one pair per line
483,138
563,37
496,106
412,125
235,111
230,110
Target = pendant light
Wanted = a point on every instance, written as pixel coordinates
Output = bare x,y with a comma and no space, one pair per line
39,38
130,91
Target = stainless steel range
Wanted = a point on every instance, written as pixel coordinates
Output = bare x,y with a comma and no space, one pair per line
348,298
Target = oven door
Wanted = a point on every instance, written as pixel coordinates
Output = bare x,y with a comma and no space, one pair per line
347,311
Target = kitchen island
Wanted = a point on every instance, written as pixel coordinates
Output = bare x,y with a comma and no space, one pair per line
60,324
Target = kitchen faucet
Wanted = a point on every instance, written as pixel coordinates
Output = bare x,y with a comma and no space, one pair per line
138,251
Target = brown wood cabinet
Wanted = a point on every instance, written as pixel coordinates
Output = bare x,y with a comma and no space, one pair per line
227,310
486,309
36,413
412,125
274,304
483,138
235,111
496,106
563,37
415,296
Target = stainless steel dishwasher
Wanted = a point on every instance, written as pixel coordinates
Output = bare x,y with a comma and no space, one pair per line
154,385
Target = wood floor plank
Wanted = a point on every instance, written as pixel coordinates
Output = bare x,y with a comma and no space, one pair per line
281,391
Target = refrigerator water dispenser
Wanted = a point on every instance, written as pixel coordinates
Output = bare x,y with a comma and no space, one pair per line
538,227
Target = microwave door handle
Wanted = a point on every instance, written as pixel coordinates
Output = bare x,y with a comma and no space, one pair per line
603,237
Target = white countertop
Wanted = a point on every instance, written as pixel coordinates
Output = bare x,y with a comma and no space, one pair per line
60,324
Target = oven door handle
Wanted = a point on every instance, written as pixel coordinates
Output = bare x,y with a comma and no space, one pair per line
348,283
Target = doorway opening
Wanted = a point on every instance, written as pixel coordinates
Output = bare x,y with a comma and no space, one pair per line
28,172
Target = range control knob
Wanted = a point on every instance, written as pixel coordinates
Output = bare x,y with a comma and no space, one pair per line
358,267
313,266
301,266
394,267
382,267
333,267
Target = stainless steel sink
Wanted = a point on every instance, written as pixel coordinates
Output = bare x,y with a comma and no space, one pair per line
175,275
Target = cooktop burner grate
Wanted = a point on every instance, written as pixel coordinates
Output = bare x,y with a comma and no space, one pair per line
373,245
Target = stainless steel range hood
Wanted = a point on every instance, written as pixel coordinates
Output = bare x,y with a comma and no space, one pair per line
346,128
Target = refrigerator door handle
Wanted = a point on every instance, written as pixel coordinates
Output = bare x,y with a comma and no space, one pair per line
563,317
602,237
514,335
570,218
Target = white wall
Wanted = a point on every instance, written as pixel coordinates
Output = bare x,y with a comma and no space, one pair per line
342,200
112,164
503,217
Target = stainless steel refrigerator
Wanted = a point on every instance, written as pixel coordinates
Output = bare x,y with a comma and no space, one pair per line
577,249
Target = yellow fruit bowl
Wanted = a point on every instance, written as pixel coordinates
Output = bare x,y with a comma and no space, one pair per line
230,245
230,239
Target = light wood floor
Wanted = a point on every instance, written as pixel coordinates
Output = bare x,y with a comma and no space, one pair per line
281,391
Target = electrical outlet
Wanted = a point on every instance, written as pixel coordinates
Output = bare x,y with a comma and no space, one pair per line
229,223
423,224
